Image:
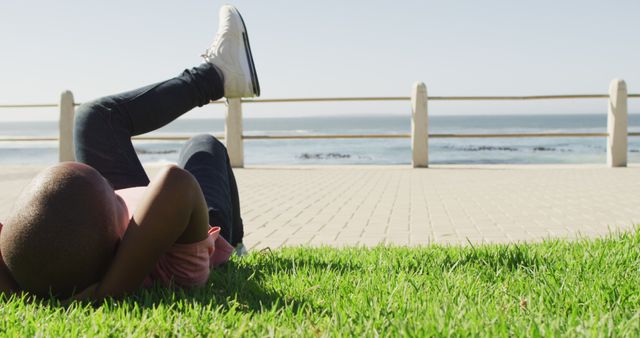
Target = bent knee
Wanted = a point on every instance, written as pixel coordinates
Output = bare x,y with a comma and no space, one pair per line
90,113
208,139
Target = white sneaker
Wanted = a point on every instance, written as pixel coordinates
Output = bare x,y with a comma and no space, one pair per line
241,250
231,53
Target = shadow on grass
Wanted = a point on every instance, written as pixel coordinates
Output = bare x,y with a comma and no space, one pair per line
310,260
245,285
235,285
408,260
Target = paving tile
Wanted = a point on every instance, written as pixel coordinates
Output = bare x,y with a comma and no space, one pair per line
370,205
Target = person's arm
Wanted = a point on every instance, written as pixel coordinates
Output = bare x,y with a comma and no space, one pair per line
7,284
172,210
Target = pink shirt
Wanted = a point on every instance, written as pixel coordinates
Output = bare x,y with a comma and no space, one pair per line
185,265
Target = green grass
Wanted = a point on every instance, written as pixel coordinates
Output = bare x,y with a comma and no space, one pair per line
586,287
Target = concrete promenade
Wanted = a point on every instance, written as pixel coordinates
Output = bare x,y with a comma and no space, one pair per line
368,205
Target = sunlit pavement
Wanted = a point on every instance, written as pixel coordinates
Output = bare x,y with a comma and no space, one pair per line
398,205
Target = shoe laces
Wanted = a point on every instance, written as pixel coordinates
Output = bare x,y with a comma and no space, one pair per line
208,51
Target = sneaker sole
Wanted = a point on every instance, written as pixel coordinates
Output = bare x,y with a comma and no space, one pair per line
247,48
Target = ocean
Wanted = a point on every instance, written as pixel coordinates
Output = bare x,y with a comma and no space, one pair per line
364,151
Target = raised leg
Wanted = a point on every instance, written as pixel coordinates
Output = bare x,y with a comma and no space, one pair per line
104,127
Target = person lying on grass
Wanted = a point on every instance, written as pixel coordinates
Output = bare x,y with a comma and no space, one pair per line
100,227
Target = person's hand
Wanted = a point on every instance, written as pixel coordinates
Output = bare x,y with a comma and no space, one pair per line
172,210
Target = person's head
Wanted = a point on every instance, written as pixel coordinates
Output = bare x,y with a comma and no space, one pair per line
64,230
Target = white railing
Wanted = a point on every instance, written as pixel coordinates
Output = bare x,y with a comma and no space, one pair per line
617,123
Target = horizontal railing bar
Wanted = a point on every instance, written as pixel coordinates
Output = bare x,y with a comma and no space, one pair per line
434,98
136,138
350,136
329,99
343,136
26,138
168,138
34,105
517,98
533,135
382,98
439,98
340,136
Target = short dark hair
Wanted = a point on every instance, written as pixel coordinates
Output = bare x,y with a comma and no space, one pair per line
61,236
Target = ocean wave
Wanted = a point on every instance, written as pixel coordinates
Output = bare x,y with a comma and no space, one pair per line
551,149
323,156
504,148
480,148
331,156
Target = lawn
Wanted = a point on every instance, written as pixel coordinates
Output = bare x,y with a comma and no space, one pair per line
556,288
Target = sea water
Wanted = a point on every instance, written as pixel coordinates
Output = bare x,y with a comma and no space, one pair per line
365,151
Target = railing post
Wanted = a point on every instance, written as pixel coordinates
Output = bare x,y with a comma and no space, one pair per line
419,126
617,124
67,111
233,133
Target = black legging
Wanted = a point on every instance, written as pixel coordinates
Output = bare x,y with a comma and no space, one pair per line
104,127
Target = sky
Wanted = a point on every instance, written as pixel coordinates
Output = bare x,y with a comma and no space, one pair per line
327,49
